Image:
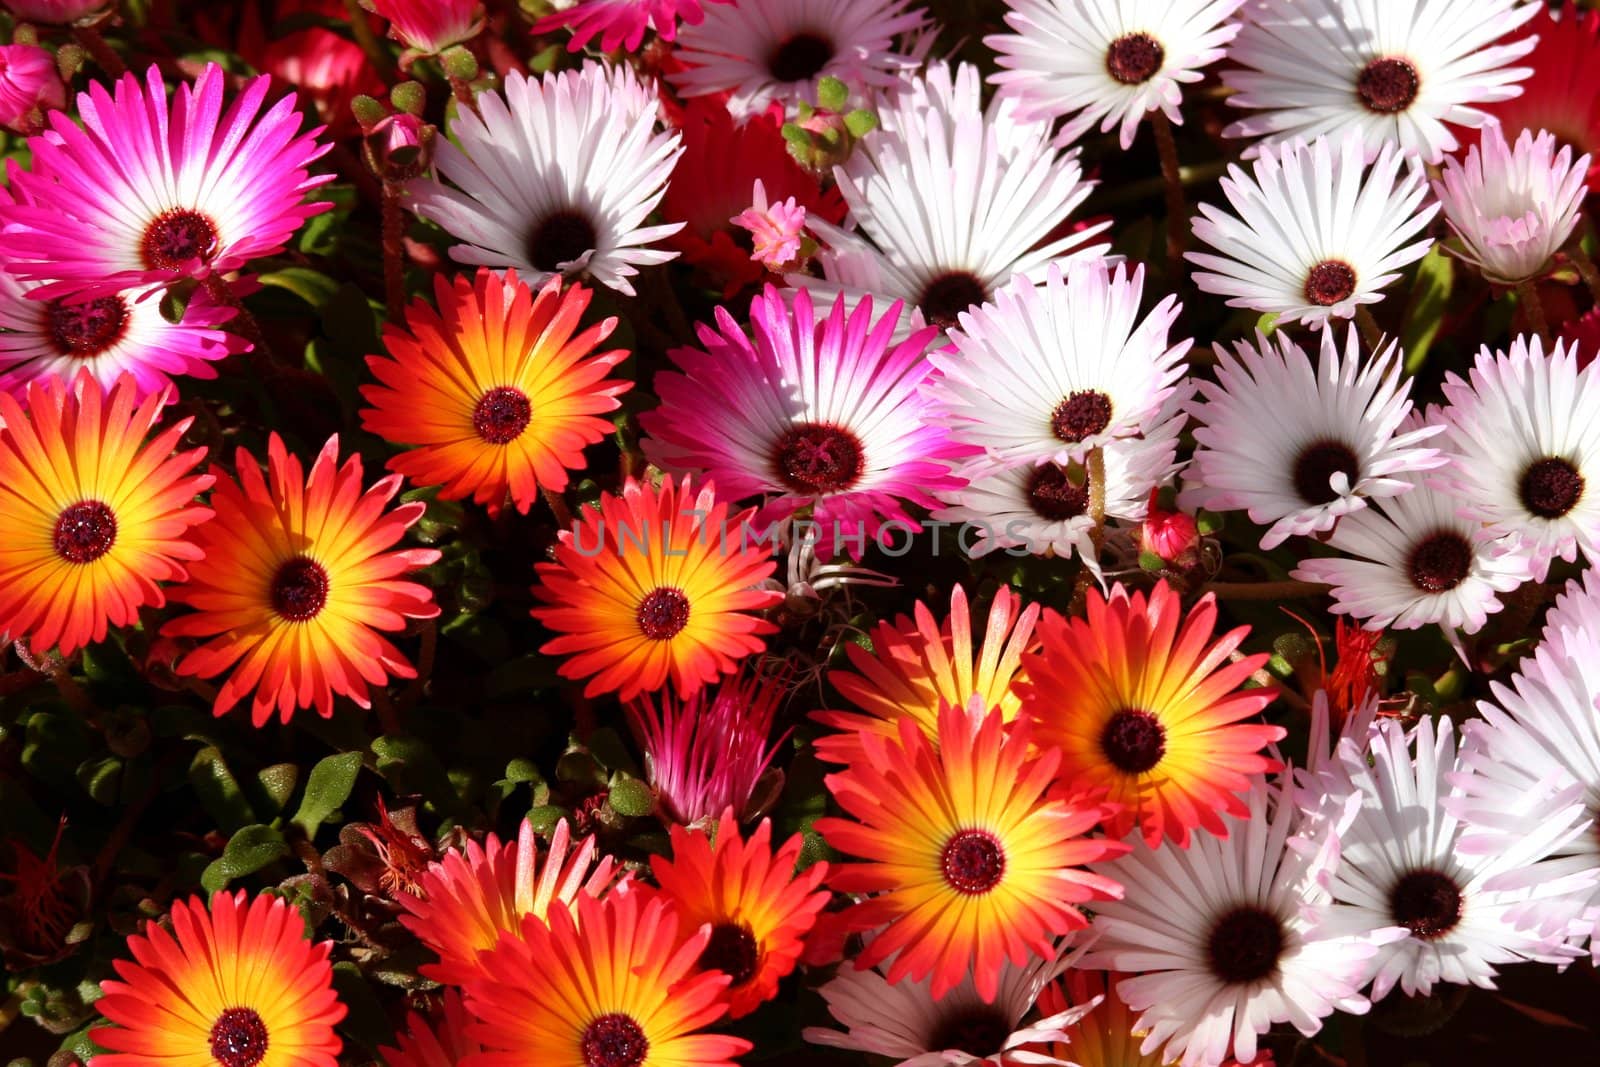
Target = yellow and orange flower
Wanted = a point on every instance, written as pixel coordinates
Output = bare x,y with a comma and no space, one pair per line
759,910
1106,1036
917,665
296,582
652,585
440,1043
235,986
1144,708
498,389
471,899
972,864
619,994
91,517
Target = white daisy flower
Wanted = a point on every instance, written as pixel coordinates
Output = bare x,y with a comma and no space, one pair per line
556,177
1230,934
1316,233
1297,446
1108,61
1395,73
1048,373
950,202
775,51
1524,439
1513,208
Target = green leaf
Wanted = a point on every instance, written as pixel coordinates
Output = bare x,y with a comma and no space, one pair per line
1150,561
219,791
1430,294
327,789
277,785
832,93
409,765
312,286
631,797
247,851
100,778
365,1021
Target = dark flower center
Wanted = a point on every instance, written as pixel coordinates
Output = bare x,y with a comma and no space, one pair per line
1246,945
800,57
1551,488
1053,495
176,238
614,1040
501,415
1440,562
1388,85
815,457
1330,282
86,329
299,589
1426,902
979,1031
1134,741
85,531
733,950
1081,415
663,614
973,862
944,298
1134,58
560,238
1317,464
239,1038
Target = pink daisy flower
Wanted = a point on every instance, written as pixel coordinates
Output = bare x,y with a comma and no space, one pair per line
777,229
145,193
827,415
622,23
428,27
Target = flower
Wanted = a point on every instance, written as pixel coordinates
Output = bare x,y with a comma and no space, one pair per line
828,415
1299,447
296,583
950,202
1142,705
1245,944
118,203
765,52
621,24
1317,234
1524,438
443,1043
235,984
92,516
1048,374
1169,535
1396,73
55,12
970,864
30,85
1108,61
709,752
919,664
1513,208
617,994
652,585
758,909
473,898
428,27
1105,1036
46,902
499,388
323,67
777,229
532,192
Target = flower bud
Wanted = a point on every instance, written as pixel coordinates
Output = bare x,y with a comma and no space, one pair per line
30,85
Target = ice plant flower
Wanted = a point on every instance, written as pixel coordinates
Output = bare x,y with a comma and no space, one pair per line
1353,228
655,585
326,68
1110,62
236,984
1169,535
1396,73
499,388
1146,711
92,516
621,24
428,27
758,908
45,902
441,1043
55,12
777,229
969,864
620,993
1107,1035
827,415
299,577
147,193
532,192
30,85
1513,207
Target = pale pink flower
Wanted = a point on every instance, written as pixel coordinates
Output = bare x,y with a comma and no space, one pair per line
778,229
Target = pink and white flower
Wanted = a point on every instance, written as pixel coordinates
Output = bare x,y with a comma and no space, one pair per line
778,229
622,23
428,27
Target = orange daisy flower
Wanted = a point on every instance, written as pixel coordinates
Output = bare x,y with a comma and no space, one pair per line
652,585
91,518
1105,1037
759,910
470,899
296,583
442,1043
236,986
972,864
497,388
918,665
620,994
1142,705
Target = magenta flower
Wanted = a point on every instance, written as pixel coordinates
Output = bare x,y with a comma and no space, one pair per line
30,85
826,415
430,26
55,12
146,193
621,23
777,229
